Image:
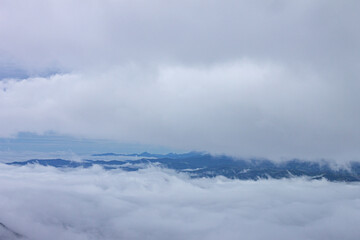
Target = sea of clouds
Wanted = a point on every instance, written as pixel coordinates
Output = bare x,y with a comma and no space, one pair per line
48,203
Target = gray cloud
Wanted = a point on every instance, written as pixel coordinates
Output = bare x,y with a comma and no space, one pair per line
244,108
72,34
43,203
268,78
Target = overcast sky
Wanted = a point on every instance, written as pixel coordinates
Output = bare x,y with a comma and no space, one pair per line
250,78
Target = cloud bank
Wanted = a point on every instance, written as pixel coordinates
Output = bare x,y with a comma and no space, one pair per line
243,108
42,203
267,78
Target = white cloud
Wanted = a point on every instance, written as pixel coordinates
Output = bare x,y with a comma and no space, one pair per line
43,203
244,108
264,78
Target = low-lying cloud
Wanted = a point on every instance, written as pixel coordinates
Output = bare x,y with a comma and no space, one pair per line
244,108
44,202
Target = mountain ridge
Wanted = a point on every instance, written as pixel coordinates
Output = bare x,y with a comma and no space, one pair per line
198,164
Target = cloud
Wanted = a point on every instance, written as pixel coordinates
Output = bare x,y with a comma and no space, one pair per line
43,202
244,108
82,34
266,78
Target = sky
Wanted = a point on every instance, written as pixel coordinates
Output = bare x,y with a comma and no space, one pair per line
49,144
274,79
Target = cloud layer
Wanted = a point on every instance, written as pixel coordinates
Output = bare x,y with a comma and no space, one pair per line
243,108
43,203
84,34
270,79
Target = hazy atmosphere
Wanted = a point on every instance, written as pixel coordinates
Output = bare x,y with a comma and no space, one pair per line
264,78
193,119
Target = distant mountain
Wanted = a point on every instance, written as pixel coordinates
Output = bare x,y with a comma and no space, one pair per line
205,165
53,162
150,155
